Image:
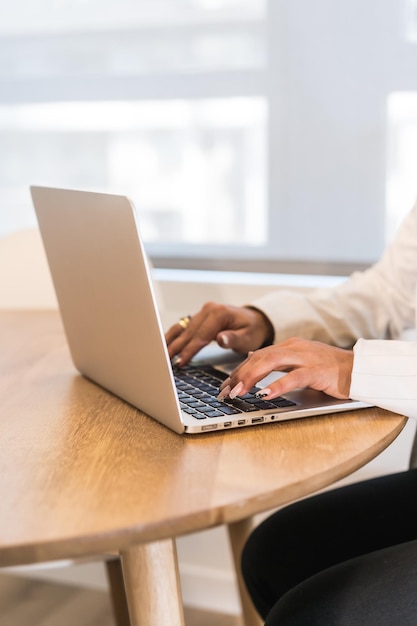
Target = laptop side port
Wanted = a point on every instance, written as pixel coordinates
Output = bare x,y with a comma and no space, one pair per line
257,420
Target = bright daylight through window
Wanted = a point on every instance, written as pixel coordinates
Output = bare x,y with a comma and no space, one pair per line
189,163
242,129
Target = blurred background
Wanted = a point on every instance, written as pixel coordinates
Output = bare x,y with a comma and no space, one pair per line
278,135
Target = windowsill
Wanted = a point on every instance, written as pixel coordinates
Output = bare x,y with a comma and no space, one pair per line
245,278
181,291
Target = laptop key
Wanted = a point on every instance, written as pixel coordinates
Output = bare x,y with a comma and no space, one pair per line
206,409
242,405
263,404
229,410
215,403
193,413
283,402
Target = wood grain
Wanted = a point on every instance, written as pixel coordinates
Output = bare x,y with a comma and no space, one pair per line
153,567
82,472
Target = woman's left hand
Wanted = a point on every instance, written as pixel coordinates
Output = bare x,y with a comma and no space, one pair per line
307,363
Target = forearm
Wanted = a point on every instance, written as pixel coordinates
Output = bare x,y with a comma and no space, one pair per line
337,316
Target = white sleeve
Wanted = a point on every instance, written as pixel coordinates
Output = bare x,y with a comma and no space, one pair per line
385,375
379,303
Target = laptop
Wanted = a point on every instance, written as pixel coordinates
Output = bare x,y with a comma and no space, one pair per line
106,298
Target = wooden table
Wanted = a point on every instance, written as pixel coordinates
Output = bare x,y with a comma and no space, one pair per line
83,473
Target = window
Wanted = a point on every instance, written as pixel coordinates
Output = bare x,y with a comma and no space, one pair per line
411,20
402,157
189,160
245,131
172,157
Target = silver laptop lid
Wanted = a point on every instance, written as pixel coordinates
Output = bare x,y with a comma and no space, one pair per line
106,298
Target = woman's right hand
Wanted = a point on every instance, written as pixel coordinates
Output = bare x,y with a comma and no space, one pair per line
241,329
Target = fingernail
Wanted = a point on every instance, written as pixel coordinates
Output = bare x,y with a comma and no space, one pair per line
223,393
236,391
176,361
263,392
225,340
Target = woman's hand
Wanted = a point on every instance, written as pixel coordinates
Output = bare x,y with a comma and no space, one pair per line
307,363
241,329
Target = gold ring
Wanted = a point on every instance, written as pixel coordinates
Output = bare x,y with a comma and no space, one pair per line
184,321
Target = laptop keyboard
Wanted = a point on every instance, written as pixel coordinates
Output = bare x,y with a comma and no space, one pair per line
198,388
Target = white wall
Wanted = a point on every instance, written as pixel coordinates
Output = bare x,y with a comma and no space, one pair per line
333,67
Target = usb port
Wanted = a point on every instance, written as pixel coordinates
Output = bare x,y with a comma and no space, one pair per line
226,424
257,420
241,422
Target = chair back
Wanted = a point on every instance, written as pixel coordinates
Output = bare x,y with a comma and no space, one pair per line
25,281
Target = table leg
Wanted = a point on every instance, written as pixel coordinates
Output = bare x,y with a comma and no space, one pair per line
238,533
152,584
117,591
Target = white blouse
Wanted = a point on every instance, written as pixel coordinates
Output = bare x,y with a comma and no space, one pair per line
371,312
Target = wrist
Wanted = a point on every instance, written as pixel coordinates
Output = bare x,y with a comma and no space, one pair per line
267,324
